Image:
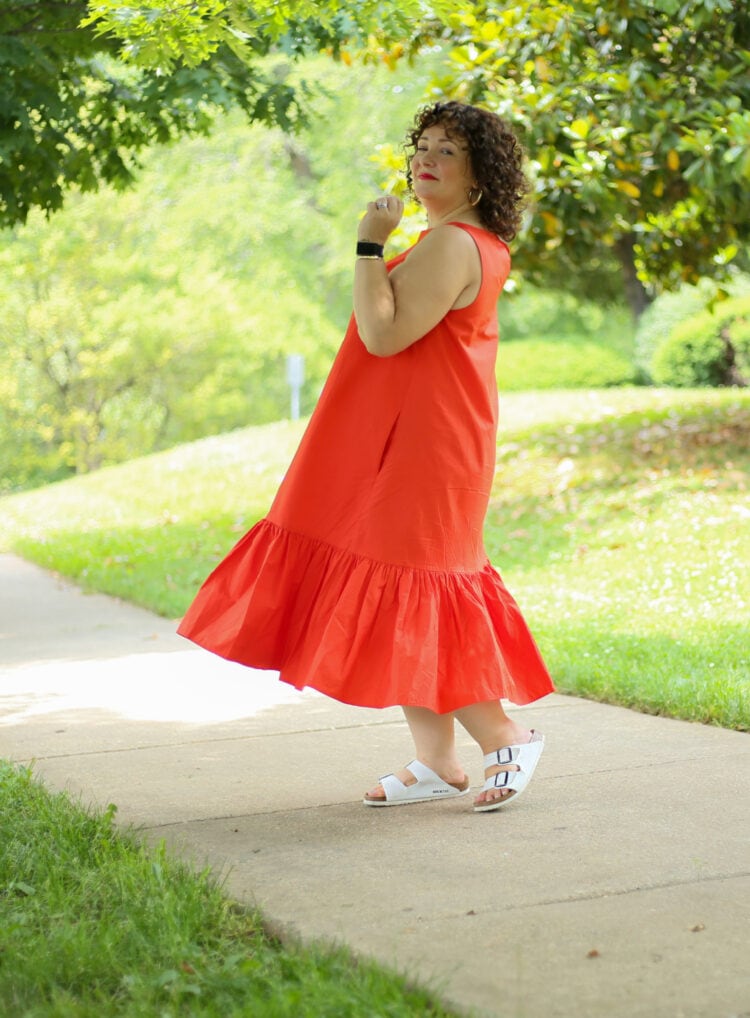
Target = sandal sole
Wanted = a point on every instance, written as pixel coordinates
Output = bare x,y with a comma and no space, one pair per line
408,802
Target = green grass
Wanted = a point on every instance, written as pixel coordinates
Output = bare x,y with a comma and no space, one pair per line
150,530
629,540
94,925
620,520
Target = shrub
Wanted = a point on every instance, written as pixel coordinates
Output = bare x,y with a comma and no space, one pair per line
671,309
531,313
565,363
708,349
661,318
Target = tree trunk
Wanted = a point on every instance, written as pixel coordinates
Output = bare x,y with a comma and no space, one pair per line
636,293
732,373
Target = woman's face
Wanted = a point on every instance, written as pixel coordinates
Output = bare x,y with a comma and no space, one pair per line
441,168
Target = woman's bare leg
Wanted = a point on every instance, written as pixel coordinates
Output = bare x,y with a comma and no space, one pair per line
435,746
489,725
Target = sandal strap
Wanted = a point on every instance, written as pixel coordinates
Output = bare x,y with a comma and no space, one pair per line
503,779
392,786
420,772
423,773
428,783
500,780
524,755
502,757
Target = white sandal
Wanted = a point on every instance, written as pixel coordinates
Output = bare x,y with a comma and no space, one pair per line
525,756
428,787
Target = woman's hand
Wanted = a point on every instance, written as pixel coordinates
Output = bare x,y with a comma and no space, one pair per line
381,219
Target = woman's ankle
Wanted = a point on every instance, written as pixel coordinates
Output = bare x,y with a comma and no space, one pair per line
507,734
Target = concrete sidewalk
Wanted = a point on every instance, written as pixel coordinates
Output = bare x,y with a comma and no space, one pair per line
618,886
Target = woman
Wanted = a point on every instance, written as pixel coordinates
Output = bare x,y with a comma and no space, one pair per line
368,580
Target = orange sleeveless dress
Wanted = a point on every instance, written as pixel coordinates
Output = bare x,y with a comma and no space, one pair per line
368,580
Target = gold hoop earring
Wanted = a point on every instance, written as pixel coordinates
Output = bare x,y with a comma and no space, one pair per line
474,191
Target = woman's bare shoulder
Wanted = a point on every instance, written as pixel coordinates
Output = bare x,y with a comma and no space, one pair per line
446,240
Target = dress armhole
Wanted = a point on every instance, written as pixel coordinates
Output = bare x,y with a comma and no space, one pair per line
482,271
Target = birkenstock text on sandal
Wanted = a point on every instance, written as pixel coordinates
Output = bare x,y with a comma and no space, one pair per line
428,787
525,756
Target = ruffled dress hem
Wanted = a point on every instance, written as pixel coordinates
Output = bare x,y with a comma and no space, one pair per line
385,634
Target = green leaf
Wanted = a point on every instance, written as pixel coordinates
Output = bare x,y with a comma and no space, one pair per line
22,888
580,128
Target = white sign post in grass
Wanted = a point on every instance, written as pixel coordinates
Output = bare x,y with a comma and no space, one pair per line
295,376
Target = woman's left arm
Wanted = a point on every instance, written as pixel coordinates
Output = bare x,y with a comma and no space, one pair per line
393,311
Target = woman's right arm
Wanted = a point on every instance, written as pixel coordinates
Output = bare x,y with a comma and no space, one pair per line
393,311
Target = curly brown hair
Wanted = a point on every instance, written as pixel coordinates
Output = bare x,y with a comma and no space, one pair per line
495,156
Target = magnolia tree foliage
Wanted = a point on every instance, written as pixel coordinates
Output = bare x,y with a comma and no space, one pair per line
191,32
72,114
85,87
636,118
131,322
636,114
